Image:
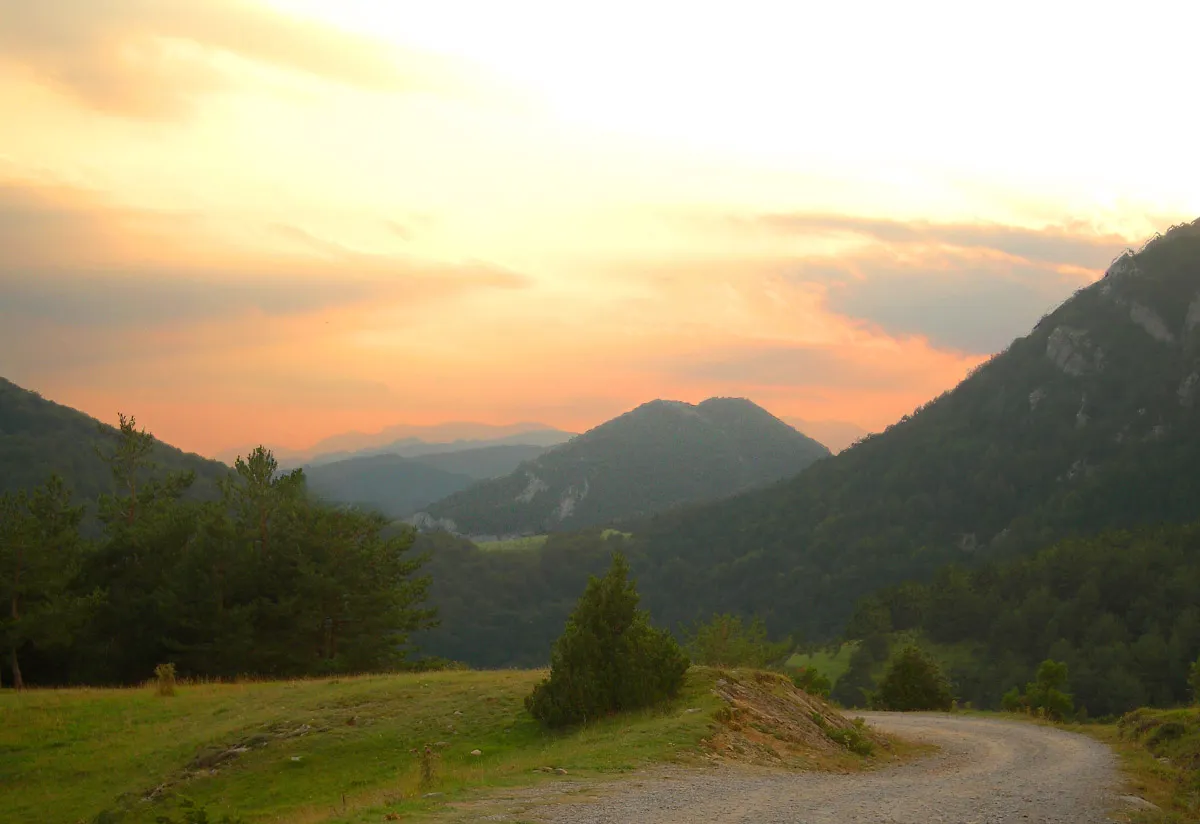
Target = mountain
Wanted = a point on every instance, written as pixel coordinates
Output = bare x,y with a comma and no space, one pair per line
660,455
1089,422
393,485
399,486
39,437
483,462
835,435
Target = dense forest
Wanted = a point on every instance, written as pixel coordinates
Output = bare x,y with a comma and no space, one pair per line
1119,609
259,580
660,455
504,608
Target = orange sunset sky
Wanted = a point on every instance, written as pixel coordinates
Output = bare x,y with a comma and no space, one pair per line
249,221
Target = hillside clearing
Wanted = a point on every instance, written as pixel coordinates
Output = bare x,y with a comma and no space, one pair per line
831,664
513,544
340,749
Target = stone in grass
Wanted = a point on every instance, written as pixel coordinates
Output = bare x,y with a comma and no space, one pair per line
476,752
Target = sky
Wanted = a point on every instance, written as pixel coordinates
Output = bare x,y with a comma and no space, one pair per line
246,221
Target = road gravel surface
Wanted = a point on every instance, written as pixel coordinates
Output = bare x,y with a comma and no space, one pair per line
987,771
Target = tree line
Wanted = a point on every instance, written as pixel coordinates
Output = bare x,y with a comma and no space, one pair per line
262,581
1118,610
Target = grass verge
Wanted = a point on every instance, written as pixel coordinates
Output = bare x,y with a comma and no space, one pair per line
317,750
1159,752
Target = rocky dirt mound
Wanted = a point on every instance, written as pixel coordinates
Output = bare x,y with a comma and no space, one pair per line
769,721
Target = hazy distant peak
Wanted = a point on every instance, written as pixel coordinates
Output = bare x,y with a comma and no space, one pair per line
661,454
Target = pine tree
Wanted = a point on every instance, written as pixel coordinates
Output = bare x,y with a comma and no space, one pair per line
40,555
609,658
725,641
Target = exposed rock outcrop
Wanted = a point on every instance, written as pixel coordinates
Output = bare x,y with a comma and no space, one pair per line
1188,390
1072,351
1149,320
1123,267
535,486
1193,316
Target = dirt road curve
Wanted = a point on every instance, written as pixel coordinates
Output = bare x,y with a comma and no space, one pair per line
988,771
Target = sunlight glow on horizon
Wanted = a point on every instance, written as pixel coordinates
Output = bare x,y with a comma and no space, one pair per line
246,220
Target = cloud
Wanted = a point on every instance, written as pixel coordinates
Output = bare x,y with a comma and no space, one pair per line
1072,245
152,59
968,287
958,301
69,260
790,365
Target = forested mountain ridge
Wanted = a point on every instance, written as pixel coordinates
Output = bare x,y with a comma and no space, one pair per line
39,437
659,455
1091,421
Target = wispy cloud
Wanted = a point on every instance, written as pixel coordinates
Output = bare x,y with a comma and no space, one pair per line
966,287
152,59
1073,245
71,262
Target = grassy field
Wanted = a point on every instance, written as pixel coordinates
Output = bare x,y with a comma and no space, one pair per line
319,750
513,544
832,665
534,542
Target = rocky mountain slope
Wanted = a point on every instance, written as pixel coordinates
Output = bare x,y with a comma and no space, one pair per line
660,455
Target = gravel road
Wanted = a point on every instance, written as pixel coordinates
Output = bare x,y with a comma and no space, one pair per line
987,771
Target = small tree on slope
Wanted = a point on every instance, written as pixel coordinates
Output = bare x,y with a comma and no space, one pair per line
608,658
913,681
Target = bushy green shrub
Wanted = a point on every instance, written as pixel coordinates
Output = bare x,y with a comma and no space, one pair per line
812,681
913,681
608,658
1013,701
1045,696
853,738
164,680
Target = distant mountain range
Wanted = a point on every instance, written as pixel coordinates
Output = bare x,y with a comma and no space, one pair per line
398,486
411,441
657,456
39,437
